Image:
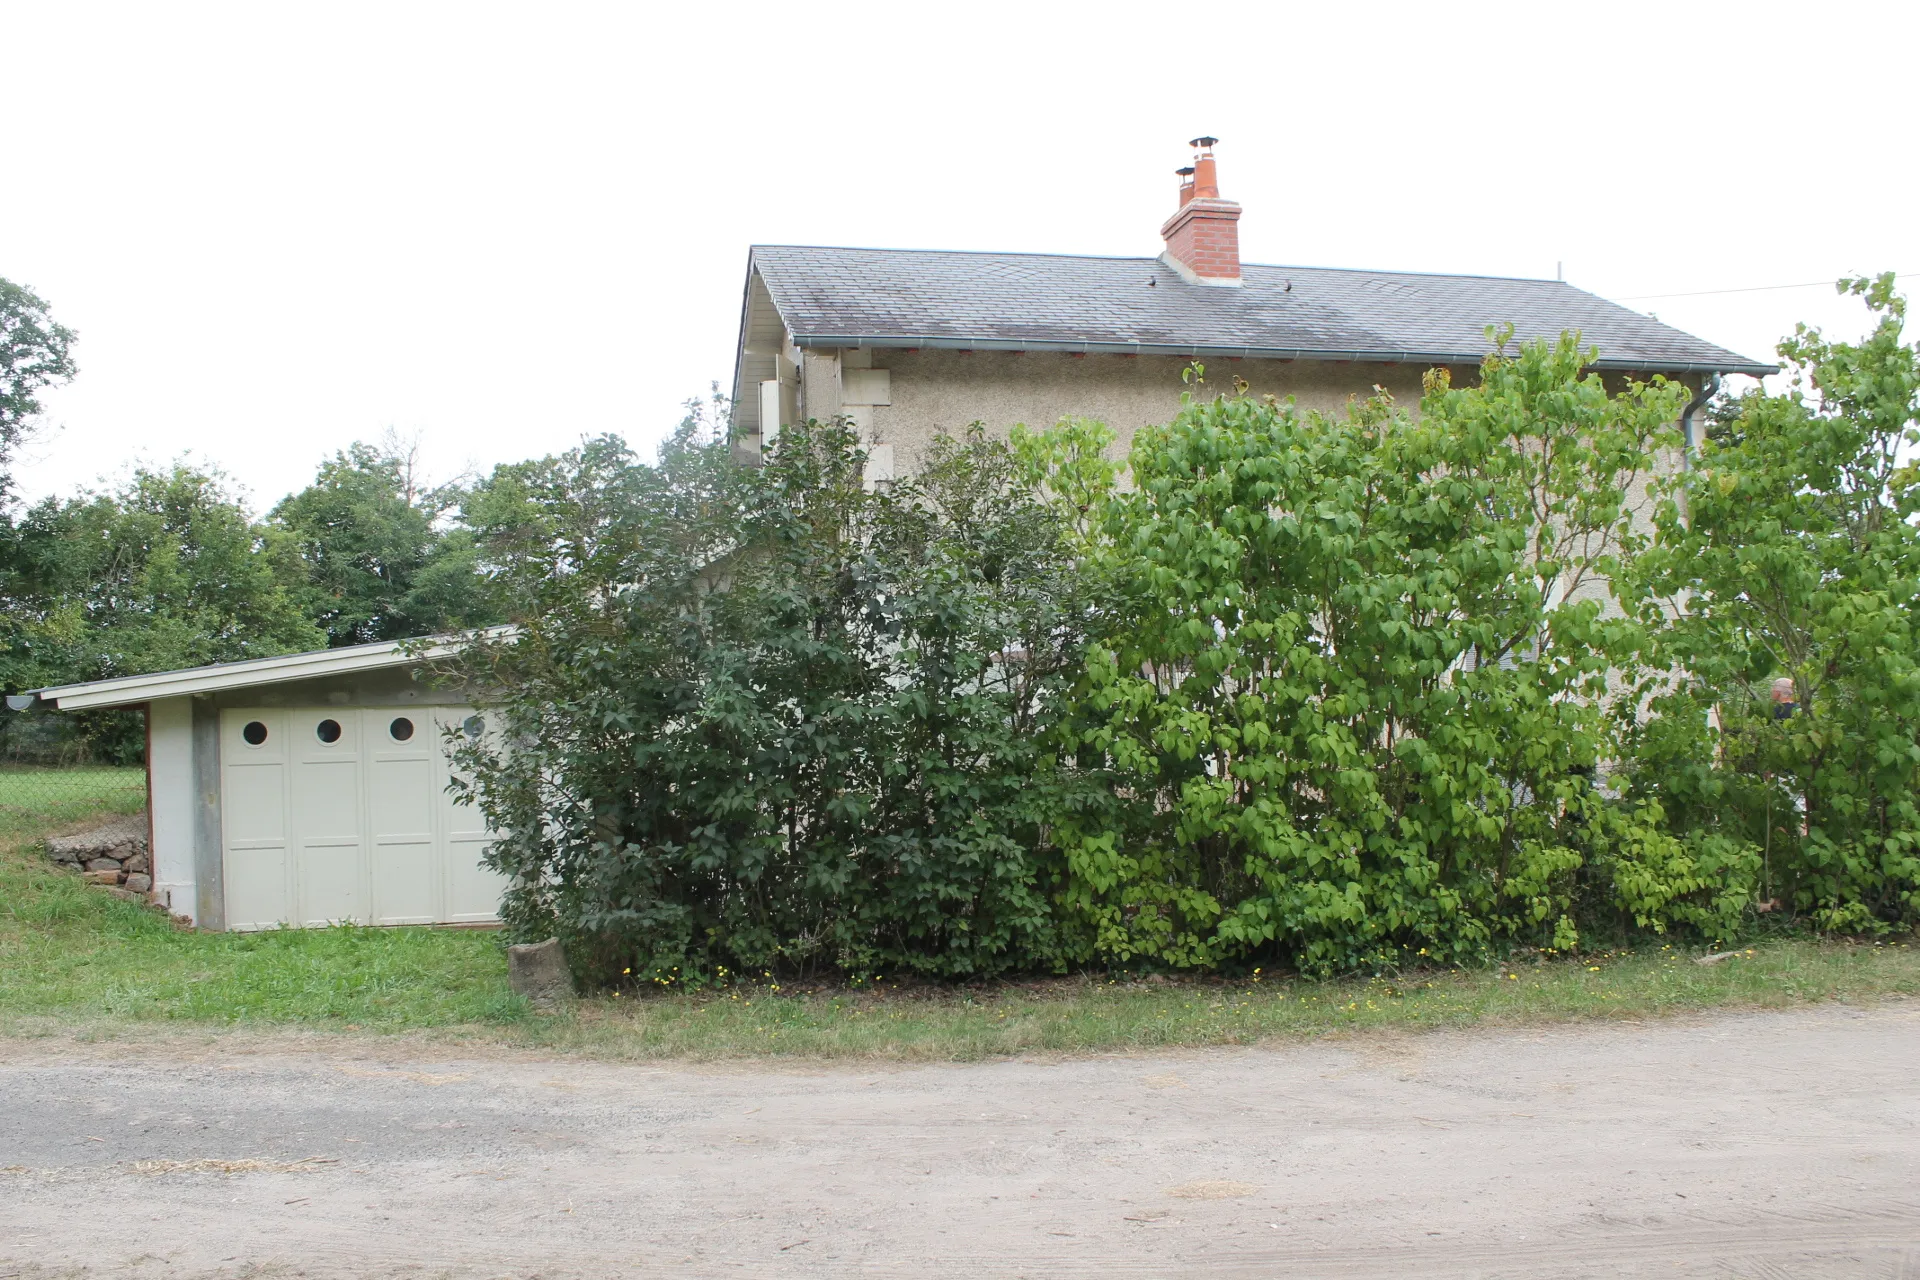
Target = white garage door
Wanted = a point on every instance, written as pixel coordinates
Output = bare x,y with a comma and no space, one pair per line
340,813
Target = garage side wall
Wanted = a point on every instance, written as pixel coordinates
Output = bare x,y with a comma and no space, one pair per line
171,795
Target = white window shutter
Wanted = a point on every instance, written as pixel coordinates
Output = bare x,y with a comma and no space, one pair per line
770,423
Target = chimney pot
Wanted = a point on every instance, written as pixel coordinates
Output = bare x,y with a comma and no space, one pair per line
1203,235
1206,181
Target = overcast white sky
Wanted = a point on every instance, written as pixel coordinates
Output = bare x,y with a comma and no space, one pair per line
279,228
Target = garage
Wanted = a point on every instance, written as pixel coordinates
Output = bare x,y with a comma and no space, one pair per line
306,790
342,814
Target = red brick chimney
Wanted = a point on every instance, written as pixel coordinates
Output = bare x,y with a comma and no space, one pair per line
1203,235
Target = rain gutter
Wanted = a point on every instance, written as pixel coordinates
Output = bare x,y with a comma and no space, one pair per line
947,343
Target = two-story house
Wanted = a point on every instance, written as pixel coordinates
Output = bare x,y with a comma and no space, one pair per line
912,343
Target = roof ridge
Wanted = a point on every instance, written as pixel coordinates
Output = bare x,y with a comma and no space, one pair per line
1426,275
970,253
1109,257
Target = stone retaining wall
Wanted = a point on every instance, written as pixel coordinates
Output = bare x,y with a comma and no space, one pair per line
113,856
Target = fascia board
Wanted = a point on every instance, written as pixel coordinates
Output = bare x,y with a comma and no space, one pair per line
948,343
740,347
127,690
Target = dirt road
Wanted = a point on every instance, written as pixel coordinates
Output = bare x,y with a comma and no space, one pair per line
1777,1145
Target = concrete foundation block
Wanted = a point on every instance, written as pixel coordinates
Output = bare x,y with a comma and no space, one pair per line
538,971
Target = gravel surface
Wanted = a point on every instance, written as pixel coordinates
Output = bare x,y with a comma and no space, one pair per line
1761,1145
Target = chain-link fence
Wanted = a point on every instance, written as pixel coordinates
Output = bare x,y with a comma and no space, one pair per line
52,781
42,800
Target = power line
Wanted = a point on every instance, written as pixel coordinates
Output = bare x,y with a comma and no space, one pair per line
1759,288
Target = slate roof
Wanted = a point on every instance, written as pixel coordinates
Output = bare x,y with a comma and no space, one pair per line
1028,301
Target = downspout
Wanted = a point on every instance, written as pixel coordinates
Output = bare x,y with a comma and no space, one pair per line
1709,385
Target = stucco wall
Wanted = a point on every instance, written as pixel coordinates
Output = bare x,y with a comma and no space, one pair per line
946,391
935,392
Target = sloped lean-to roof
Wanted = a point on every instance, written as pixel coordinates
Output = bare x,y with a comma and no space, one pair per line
124,691
828,297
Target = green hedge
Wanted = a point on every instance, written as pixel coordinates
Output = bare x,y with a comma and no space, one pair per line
1332,691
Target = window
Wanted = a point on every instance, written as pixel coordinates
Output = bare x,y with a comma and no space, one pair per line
255,733
327,731
401,729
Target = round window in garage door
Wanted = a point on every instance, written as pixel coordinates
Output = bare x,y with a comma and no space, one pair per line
255,734
401,730
328,731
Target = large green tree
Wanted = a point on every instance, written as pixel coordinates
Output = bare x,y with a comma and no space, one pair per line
382,558
166,571
35,353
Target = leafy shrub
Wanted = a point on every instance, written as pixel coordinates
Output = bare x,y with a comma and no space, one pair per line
761,717
1352,695
1698,881
1790,553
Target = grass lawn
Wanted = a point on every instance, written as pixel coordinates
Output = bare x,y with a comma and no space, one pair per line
71,954
76,960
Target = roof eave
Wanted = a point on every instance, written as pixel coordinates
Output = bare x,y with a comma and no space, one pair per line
1089,347
123,691
740,347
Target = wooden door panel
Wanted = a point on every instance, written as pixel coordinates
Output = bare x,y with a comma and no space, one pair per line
253,819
